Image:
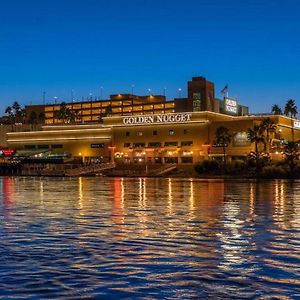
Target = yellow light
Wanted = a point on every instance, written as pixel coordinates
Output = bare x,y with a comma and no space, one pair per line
79,153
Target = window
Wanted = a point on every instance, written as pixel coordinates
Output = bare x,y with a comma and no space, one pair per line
157,160
43,146
171,132
185,131
154,144
57,146
187,143
171,160
127,133
171,144
29,147
154,132
127,145
187,160
138,145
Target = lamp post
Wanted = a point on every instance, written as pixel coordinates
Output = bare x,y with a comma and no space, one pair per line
165,89
44,97
179,92
101,92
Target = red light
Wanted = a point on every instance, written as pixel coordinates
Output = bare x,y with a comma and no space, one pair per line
8,152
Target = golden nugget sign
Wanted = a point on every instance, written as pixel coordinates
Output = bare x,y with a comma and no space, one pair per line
167,118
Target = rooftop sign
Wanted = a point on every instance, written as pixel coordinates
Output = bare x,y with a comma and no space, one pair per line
231,106
155,119
297,124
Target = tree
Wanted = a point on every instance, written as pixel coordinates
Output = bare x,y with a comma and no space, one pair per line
108,110
10,114
268,126
100,118
291,153
291,110
256,136
41,118
62,113
66,114
223,138
32,120
276,110
17,111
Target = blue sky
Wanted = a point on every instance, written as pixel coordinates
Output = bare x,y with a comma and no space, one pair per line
56,46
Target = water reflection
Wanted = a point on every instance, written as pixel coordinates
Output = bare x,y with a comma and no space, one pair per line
149,237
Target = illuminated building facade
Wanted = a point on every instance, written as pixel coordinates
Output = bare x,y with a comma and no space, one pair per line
201,97
182,138
132,129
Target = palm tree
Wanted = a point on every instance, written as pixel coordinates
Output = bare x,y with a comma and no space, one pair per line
100,118
268,126
223,138
256,136
32,120
41,118
291,110
62,113
291,152
16,107
276,110
9,112
108,110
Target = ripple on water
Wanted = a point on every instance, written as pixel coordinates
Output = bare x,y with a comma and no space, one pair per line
86,238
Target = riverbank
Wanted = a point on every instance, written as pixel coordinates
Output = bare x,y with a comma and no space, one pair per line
172,171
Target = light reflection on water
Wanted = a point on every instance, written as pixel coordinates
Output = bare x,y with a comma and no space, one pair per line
74,238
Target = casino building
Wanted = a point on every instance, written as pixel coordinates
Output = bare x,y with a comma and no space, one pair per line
201,97
160,138
150,130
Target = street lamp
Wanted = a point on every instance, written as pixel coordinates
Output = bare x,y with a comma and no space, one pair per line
165,91
179,92
101,92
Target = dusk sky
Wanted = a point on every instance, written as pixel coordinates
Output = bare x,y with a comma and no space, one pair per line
59,45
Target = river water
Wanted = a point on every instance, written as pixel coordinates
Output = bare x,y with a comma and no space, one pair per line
149,238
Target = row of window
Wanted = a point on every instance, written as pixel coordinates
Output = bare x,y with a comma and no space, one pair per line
95,117
57,146
91,105
86,112
43,147
167,160
158,144
155,132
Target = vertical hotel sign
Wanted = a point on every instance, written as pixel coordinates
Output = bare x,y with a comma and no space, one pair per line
157,119
230,106
297,124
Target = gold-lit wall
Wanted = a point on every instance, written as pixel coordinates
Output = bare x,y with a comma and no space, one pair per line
170,142
90,111
75,140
